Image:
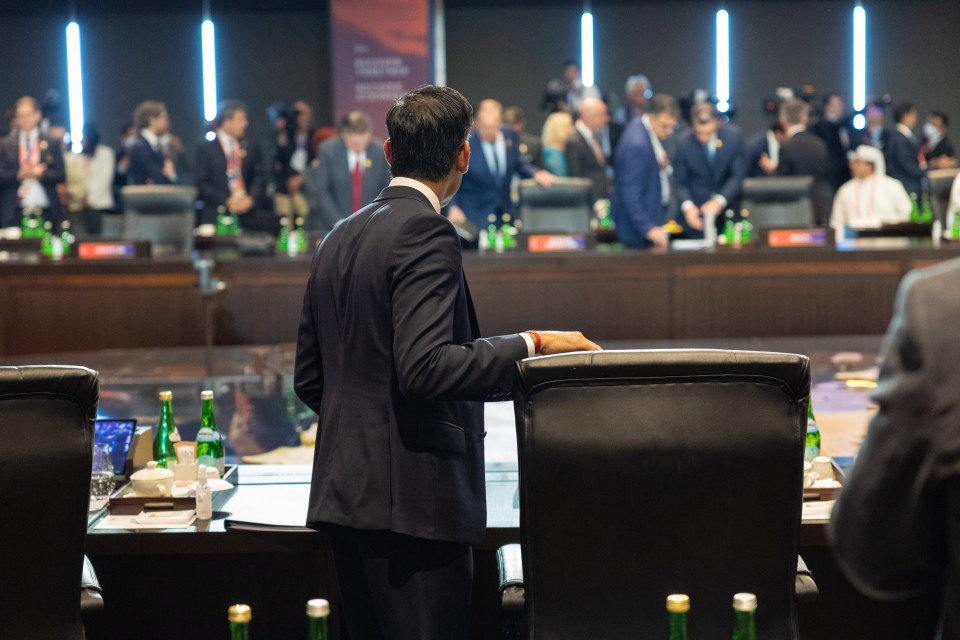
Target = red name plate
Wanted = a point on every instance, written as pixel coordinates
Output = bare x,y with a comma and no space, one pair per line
556,243
797,237
106,250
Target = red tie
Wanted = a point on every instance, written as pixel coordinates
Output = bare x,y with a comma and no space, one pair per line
357,184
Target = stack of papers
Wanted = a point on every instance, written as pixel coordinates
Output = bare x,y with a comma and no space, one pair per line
150,520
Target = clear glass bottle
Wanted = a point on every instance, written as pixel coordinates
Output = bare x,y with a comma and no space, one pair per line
209,442
745,609
678,605
239,616
204,495
318,611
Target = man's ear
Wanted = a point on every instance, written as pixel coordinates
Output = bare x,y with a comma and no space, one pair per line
388,151
463,157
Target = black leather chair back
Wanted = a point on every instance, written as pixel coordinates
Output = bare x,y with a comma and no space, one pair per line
646,473
941,181
46,426
779,201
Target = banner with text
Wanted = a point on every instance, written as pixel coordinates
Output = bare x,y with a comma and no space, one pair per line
381,50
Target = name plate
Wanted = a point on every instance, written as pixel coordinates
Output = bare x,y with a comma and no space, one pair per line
556,242
112,250
797,238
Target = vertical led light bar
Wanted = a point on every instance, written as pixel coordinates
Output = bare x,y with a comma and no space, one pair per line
75,86
209,74
586,48
859,65
723,61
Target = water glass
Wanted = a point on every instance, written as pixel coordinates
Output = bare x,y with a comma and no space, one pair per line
101,479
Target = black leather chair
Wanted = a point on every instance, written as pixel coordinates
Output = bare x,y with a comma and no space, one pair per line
565,207
46,424
646,473
941,181
164,214
780,201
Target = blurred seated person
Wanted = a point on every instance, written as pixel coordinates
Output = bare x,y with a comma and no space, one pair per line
937,149
641,193
292,154
638,91
568,92
804,154
708,168
148,163
902,150
494,160
350,172
763,151
531,147
229,168
556,130
585,154
90,176
894,528
871,198
31,168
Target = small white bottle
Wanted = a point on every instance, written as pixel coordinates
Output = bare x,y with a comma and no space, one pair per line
204,495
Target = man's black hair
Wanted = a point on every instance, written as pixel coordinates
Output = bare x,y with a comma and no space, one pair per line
427,128
901,110
942,116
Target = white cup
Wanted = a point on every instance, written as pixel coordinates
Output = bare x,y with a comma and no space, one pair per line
809,475
823,466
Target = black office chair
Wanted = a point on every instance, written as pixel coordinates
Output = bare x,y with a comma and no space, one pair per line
779,201
164,214
941,181
564,207
646,473
46,423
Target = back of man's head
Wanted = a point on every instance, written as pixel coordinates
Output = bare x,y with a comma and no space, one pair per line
227,109
902,110
795,111
356,122
427,127
663,103
146,112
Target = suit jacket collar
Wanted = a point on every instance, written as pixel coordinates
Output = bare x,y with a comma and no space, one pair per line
409,193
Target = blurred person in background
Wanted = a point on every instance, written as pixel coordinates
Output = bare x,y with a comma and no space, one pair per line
638,91
148,161
937,149
531,148
556,130
902,150
90,176
871,198
586,157
292,154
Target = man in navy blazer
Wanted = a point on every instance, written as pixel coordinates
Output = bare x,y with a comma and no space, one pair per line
762,151
902,150
389,355
229,168
148,162
708,168
485,189
641,191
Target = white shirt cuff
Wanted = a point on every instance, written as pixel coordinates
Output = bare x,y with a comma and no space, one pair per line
686,205
531,347
720,199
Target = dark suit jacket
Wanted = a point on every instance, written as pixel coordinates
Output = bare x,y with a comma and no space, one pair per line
283,153
806,155
146,165
50,154
635,204
755,147
389,355
697,179
943,148
328,184
838,166
582,163
905,480
482,193
211,175
901,154
531,150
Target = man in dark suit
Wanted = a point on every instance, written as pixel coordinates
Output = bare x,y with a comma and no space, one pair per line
390,357
641,193
486,186
585,154
902,150
531,147
804,154
832,130
31,167
895,526
762,151
292,154
349,172
148,162
708,169
229,168
937,149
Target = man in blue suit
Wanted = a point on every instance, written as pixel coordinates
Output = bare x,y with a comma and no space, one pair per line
485,189
762,151
708,167
902,150
642,190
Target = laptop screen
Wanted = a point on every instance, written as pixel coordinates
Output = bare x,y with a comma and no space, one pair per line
117,434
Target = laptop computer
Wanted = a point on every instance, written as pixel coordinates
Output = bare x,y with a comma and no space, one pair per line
118,435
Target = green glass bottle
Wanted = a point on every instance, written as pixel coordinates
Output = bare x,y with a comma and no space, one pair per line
283,236
66,238
222,229
239,616
26,229
746,231
301,236
509,242
914,208
209,442
318,611
492,231
46,241
926,211
729,228
34,228
167,434
812,449
678,605
955,225
745,609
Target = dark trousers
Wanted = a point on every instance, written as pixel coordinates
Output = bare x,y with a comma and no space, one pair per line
397,587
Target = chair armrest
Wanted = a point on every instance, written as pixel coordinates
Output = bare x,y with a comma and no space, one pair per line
510,566
512,594
804,585
91,598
